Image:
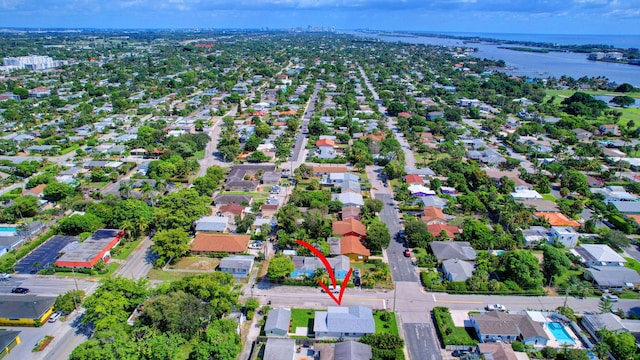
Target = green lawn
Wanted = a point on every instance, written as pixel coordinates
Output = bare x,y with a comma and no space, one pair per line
633,264
301,318
366,267
561,280
110,269
628,114
158,274
126,249
549,197
388,327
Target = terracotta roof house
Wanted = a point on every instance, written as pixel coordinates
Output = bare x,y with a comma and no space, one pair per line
325,142
35,191
557,219
210,243
413,179
350,212
497,351
433,215
352,247
231,210
498,326
451,230
350,226
268,211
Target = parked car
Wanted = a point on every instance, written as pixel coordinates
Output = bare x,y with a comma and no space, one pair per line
19,290
611,297
335,290
407,253
55,316
495,307
5,277
459,353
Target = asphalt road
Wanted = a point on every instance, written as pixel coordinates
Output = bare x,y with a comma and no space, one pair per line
300,142
139,262
402,268
47,285
420,342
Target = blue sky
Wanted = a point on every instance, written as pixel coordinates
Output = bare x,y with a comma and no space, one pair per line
490,16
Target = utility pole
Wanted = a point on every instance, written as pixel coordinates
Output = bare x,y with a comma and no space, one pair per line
73,274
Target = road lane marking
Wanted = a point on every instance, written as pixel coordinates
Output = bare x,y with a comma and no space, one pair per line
460,302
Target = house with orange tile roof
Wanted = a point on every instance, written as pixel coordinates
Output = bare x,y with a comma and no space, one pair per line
413,179
433,215
436,229
326,148
557,219
205,244
231,211
37,191
348,227
352,247
374,137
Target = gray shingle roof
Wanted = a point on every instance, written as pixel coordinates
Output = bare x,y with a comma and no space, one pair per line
444,250
351,350
502,324
279,349
613,276
24,306
278,319
237,262
353,319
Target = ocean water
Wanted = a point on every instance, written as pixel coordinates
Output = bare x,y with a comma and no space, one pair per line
537,65
619,41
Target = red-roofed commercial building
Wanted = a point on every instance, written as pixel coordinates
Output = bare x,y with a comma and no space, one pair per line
95,248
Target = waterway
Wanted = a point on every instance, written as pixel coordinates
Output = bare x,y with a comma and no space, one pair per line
536,65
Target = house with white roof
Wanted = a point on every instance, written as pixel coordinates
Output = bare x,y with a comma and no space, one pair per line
614,194
525,194
598,255
344,322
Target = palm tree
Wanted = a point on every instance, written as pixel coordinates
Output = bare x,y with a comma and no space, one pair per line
128,227
125,189
147,191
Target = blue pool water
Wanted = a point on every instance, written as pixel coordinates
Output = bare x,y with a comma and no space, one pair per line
559,332
8,231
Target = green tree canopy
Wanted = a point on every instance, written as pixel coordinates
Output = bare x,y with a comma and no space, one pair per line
522,267
180,209
56,191
378,236
280,267
172,243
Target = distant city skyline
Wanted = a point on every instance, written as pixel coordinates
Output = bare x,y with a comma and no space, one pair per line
588,17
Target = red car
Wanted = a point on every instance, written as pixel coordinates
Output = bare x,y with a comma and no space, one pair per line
407,253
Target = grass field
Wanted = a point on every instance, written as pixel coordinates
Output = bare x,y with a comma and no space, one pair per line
549,197
633,264
366,268
302,318
196,263
158,274
388,327
628,114
127,249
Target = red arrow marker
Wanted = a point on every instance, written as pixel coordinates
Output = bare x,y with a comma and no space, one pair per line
332,276
322,258
344,286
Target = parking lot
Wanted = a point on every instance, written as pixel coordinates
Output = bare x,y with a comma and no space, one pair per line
43,256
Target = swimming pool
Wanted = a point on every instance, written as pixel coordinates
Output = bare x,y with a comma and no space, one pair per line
8,230
560,333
